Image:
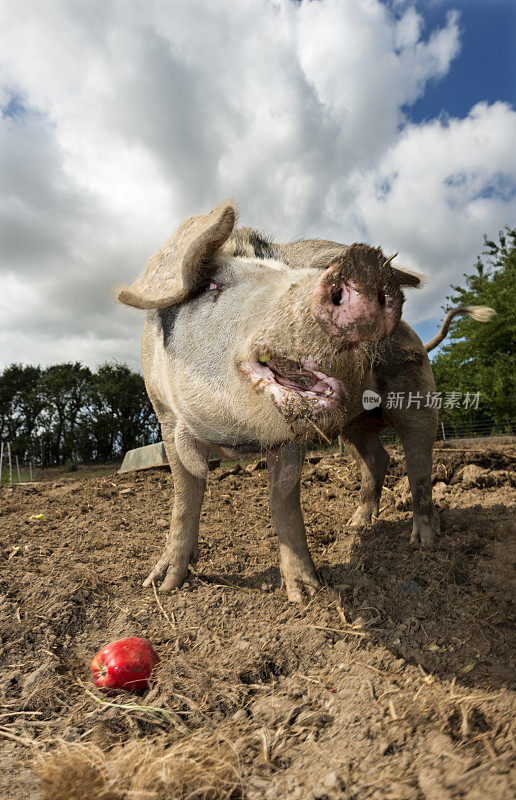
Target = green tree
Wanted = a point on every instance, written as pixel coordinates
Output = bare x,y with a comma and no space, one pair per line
64,388
67,412
21,404
121,411
482,357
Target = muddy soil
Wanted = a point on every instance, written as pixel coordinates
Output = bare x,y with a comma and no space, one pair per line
395,682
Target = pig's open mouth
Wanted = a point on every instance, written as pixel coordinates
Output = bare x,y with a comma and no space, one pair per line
287,380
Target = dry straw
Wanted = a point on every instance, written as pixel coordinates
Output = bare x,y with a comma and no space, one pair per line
203,766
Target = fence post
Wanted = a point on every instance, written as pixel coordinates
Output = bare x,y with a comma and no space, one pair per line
442,428
1,460
18,469
10,462
30,469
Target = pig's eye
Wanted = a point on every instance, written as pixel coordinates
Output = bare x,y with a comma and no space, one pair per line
212,288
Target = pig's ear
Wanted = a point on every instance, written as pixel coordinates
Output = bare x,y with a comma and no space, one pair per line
408,278
183,265
405,277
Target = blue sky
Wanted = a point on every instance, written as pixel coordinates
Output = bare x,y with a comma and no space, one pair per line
354,120
485,68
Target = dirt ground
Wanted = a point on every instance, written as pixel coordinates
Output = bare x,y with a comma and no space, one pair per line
394,683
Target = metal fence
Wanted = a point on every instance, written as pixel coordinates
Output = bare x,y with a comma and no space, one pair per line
461,430
12,470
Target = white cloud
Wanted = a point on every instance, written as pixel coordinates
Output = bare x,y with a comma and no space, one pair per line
437,190
126,119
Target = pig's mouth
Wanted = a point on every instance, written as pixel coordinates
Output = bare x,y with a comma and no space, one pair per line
286,380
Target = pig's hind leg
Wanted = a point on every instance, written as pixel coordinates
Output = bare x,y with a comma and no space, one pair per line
374,462
416,430
296,565
181,545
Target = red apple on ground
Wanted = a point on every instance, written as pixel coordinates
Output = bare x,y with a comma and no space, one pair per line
124,664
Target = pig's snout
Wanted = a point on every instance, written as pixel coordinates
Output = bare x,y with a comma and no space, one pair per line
352,311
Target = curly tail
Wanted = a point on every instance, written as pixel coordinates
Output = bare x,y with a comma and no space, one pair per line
480,313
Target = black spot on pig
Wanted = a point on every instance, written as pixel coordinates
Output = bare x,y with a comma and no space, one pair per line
167,318
262,247
248,242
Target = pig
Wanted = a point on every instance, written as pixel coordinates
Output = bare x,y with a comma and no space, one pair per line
249,345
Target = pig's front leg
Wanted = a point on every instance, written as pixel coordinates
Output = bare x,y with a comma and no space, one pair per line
181,546
296,565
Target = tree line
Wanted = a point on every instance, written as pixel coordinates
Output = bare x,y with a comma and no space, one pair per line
69,413
481,358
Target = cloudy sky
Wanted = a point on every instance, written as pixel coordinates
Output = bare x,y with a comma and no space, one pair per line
356,120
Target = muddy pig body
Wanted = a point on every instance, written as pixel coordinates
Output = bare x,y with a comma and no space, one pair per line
249,345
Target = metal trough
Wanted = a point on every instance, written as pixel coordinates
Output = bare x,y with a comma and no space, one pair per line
152,456
148,457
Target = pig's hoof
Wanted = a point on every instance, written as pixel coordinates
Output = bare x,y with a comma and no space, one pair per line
300,585
169,572
425,530
363,515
